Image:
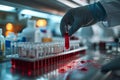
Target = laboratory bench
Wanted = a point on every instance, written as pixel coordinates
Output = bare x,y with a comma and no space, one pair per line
86,67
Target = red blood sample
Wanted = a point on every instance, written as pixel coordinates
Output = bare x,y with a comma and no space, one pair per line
62,70
66,41
29,73
84,69
69,66
83,61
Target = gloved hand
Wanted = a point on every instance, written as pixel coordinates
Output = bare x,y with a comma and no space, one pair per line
81,17
111,66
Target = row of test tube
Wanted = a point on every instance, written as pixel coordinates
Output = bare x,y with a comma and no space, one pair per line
37,50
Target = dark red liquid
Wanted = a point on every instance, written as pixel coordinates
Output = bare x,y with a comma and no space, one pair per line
69,66
84,69
83,61
62,70
66,41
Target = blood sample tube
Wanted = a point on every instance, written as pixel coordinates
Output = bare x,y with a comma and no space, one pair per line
66,37
84,69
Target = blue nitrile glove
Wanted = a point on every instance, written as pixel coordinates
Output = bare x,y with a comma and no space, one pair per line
81,17
113,65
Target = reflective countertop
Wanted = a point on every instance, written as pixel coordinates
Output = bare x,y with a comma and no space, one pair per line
76,73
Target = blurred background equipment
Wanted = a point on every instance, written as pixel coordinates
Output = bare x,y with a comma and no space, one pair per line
2,45
31,45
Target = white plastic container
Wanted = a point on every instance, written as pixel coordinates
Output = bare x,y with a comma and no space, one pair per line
2,44
37,35
29,31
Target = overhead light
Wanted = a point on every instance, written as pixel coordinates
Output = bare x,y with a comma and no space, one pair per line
81,2
9,26
68,3
41,23
34,13
6,8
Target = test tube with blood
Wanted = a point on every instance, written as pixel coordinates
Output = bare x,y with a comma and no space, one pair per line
66,37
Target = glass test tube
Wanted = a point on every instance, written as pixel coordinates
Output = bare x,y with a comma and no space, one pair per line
66,37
